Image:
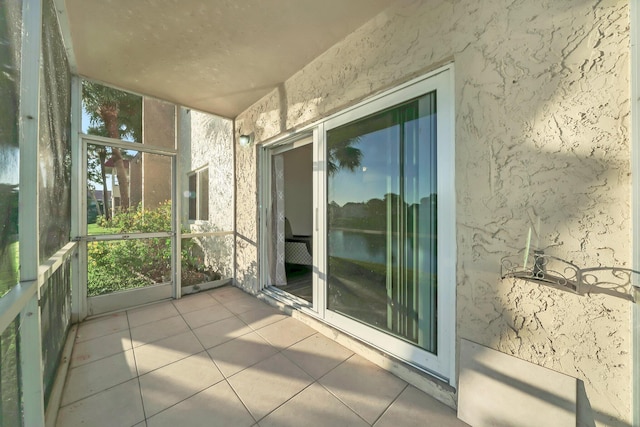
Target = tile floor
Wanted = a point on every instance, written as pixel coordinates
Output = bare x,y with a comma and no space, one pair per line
225,358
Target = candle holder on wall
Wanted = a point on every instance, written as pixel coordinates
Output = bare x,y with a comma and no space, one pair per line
538,267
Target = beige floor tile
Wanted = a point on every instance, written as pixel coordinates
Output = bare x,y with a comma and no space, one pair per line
195,302
158,330
97,376
217,406
317,407
240,353
242,305
262,317
101,326
98,348
268,384
207,315
286,332
117,406
317,354
160,353
173,383
221,331
228,293
363,386
413,407
151,313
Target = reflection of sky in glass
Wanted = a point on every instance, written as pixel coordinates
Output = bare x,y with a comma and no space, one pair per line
370,179
379,168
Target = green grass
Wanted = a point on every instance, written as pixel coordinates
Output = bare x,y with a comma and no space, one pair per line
93,229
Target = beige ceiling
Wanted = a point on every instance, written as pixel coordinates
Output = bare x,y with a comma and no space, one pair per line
218,56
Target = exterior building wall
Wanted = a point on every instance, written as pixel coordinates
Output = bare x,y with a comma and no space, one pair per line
542,142
206,140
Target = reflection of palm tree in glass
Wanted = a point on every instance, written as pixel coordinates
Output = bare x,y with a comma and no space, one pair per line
343,155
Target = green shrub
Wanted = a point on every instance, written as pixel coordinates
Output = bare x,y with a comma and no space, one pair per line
133,263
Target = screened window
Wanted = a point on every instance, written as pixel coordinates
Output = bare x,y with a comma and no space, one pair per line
199,195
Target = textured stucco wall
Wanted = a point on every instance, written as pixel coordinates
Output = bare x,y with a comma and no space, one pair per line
246,216
207,140
542,135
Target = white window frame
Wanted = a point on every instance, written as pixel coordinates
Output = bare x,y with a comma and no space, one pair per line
442,364
196,173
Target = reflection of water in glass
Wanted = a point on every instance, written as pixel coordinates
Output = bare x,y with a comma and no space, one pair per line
372,248
358,246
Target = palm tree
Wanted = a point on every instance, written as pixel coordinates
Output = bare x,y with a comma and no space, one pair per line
343,155
114,114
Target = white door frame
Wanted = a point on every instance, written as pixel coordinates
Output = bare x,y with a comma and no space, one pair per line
95,305
443,364
266,153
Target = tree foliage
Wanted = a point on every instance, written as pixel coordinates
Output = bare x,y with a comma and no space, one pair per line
343,155
113,114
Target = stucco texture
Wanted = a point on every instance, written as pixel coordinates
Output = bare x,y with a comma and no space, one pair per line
207,141
542,137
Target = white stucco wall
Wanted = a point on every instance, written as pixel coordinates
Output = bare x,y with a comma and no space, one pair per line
542,135
207,140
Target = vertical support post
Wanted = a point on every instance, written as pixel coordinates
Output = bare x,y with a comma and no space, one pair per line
78,302
31,370
235,207
176,209
320,249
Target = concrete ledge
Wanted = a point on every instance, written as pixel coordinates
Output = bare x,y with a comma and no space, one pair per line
497,389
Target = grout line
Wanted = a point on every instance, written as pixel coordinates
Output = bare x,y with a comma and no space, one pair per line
191,395
390,404
135,362
241,401
287,401
338,397
123,350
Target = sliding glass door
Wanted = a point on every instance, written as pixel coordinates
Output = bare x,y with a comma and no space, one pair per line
382,221
390,223
376,223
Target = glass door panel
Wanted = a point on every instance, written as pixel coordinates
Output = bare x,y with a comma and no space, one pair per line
381,192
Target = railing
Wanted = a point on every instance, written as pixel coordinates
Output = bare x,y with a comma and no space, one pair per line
24,303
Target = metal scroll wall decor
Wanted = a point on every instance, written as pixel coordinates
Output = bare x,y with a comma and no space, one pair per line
536,266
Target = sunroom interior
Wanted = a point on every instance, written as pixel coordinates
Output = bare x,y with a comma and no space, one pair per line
108,210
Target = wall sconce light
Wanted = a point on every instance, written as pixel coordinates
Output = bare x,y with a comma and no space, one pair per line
246,140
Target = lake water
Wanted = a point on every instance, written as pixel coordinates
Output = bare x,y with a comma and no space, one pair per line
372,248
